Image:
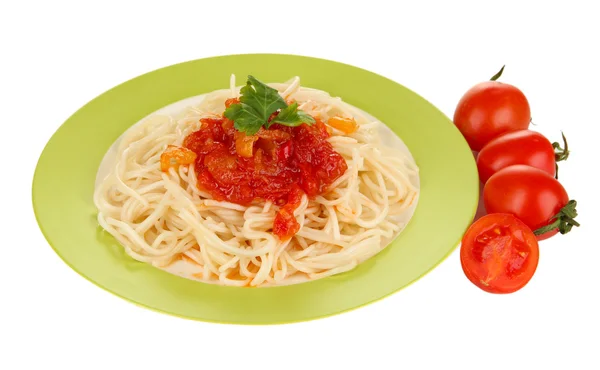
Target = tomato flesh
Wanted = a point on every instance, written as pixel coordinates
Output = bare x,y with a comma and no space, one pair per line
285,225
499,253
285,163
520,147
490,109
532,195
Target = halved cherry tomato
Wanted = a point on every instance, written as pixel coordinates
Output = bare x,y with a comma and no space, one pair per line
520,147
499,253
534,197
490,109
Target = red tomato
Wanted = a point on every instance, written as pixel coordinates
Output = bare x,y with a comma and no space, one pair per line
533,196
287,161
520,147
499,253
490,109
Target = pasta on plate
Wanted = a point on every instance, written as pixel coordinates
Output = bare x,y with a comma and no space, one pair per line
314,192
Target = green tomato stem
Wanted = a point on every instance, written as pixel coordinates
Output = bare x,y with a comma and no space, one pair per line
497,75
560,154
564,220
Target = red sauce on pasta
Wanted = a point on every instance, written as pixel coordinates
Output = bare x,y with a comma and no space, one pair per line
279,164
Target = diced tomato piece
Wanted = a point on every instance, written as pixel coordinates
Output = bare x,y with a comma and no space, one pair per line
346,125
279,164
175,156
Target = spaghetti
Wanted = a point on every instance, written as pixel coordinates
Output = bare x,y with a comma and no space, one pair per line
166,218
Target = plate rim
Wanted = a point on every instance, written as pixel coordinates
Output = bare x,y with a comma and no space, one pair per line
57,250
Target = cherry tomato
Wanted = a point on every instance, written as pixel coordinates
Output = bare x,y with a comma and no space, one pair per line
534,197
490,109
520,147
499,253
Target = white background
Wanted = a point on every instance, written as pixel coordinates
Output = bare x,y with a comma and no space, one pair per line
57,56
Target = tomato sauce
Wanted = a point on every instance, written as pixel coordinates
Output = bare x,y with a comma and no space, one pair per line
283,164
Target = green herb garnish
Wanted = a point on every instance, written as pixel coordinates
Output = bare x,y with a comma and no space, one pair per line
291,116
257,103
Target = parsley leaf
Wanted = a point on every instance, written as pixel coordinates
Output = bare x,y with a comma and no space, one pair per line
262,98
291,116
257,103
245,119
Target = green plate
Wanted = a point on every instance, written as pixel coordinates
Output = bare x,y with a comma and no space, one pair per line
63,185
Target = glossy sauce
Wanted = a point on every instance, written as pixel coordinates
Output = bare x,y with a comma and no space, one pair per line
283,164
